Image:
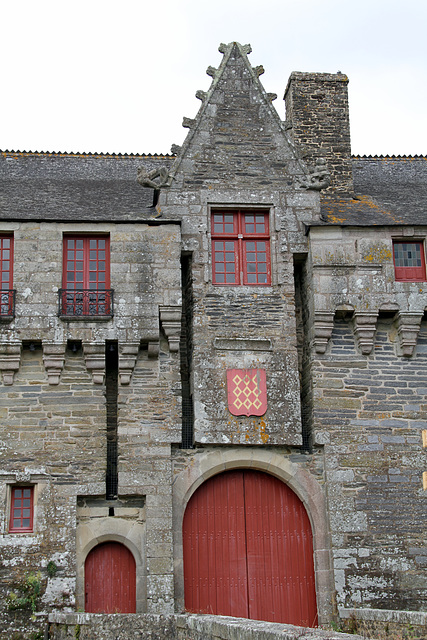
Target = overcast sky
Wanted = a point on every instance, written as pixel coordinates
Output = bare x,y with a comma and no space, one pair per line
118,77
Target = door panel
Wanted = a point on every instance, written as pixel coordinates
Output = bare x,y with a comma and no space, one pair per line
248,550
110,579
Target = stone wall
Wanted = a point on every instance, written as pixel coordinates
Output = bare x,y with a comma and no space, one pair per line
373,410
179,627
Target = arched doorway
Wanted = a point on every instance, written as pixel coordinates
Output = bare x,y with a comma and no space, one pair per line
110,579
248,550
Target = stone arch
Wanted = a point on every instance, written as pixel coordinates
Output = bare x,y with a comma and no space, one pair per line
93,532
210,462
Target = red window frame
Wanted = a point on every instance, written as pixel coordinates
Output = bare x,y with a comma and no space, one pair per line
409,261
6,261
21,509
86,262
240,247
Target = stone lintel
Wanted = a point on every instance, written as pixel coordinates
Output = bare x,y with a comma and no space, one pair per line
95,360
128,353
10,359
170,319
323,326
364,327
408,327
53,358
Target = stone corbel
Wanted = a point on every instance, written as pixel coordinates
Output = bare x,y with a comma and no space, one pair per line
364,327
170,319
323,326
53,358
408,327
128,354
10,359
95,360
153,349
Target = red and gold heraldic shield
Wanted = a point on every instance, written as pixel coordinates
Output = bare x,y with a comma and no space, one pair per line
247,392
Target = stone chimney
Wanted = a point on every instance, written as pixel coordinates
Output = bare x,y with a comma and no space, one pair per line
317,112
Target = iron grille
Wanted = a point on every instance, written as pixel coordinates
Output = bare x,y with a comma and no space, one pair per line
86,302
7,303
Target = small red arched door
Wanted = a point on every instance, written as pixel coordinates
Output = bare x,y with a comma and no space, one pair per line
110,579
248,550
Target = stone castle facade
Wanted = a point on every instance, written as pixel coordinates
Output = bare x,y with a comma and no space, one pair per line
139,292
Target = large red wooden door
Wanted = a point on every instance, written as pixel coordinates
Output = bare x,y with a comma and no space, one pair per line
110,579
248,550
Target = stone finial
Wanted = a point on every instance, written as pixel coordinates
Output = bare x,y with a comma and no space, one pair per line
365,324
95,360
211,71
319,177
246,48
147,178
201,95
323,326
53,358
10,359
259,70
128,354
222,47
176,149
408,327
272,96
170,318
188,123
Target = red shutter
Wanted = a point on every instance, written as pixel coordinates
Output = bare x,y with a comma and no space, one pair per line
248,550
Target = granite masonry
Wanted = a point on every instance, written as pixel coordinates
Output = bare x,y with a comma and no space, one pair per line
209,360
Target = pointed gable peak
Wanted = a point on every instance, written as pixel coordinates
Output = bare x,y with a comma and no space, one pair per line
237,132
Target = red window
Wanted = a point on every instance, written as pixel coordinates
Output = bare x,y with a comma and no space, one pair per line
6,275
240,248
21,509
409,261
86,276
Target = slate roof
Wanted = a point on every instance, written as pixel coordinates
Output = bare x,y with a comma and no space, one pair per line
100,187
75,187
388,190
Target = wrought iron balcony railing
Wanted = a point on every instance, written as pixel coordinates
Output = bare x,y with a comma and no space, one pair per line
86,303
7,303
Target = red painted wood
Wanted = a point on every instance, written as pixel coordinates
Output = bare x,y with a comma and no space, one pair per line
240,248
21,509
110,579
86,262
215,577
248,550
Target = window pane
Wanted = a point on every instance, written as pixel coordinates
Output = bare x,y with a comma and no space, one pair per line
25,524
6,243
79,244
79,255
